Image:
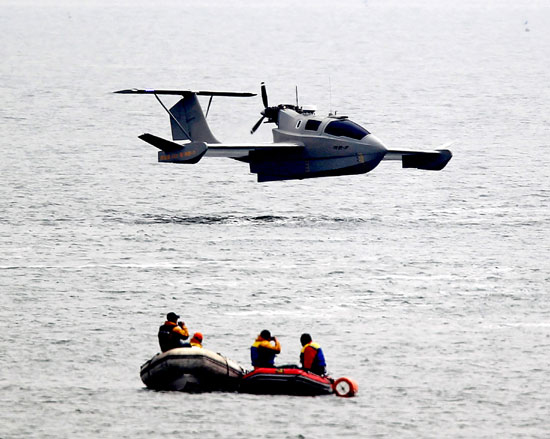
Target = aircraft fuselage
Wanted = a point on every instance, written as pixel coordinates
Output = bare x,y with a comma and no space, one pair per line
310,130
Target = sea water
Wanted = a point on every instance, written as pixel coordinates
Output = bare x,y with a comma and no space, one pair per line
430,289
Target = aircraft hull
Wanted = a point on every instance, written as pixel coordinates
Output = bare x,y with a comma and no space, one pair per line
271,167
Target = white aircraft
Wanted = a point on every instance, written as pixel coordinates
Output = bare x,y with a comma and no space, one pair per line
304,145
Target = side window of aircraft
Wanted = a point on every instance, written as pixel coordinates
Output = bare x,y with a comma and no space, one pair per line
312,124
346,128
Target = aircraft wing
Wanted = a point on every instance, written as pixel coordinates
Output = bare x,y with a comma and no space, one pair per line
192,152
434,160
242,150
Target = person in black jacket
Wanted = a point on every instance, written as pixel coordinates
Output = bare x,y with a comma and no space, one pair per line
173,333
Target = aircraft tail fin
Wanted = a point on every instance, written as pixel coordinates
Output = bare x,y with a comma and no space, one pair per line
186,117
187,114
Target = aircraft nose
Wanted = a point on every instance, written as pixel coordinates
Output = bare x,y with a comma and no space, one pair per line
376,144
373,152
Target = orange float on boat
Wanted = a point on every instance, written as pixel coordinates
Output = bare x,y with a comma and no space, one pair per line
345,387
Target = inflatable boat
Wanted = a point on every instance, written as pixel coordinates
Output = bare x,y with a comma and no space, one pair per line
291,380
191,369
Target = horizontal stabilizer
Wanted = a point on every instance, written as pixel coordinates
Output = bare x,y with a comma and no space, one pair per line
160,143
173,152
235,94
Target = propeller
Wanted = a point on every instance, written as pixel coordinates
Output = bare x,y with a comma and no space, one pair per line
269,112
264,94
257,124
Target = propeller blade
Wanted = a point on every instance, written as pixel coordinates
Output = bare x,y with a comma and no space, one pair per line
256,125
264,95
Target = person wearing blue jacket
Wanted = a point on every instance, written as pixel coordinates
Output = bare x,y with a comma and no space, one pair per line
263,351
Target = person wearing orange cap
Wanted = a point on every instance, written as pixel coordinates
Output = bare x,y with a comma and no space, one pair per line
262,351
196,340
312,357
173,333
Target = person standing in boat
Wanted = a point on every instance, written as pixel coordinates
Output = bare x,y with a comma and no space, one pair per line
196,340
173,333
263,351
312,357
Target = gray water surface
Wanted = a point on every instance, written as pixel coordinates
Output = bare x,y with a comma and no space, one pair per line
430,289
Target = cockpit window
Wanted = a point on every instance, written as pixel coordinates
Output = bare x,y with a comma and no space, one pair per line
312,124
346,128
